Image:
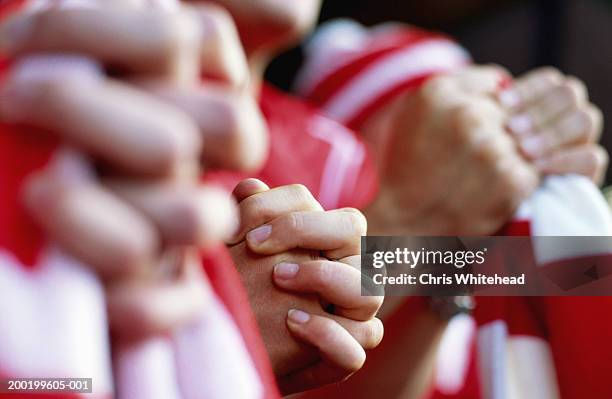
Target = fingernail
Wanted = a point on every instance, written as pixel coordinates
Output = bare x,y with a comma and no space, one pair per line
533,146
260,234
509,99
286,270
14,32
520,124
298,316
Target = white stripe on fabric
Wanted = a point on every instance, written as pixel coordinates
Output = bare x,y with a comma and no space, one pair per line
334,44
146,370
213,360
492,338
454,353
346,155
531,369
432,56
569,205
53,320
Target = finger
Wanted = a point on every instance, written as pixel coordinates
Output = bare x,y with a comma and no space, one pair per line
144,41
559,100
222,55
342,355
249,187
88,221
367,333
336,283
184,215
264,207
579,127
230,123
138,309
588,160
482,80
108,119
337,233
530,87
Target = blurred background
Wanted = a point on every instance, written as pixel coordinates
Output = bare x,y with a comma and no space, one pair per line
573,35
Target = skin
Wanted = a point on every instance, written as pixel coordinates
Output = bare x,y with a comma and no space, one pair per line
313,258
260,50
138,129
154,212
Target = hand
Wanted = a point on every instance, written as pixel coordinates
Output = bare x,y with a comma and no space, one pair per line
164,53
148,292
149,202
284,234
556,125
447,164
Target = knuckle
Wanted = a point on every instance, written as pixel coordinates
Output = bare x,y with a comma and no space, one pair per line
517,184
294,222
487,153
299,192
355,222
465,118
219,25
498,70
568,95
588,124
578,88
246,135
322,272
359,223
596,119
601,157
254,207
549,75
181,29
434,88
216,13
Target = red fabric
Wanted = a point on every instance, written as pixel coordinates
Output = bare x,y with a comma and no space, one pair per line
21,154
226,282
10,6
299,156
470,389
580,334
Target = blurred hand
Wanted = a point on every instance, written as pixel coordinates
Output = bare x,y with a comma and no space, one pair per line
556,125
163,52
447,164
140,240
314,294
143,129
